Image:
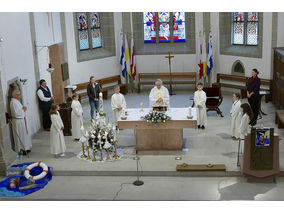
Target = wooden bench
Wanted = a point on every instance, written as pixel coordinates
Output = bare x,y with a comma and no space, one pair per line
187,78
106,84
279,118
240,82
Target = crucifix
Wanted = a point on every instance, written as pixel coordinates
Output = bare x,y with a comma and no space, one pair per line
170,67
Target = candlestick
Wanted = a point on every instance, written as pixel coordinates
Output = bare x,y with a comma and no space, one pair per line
88,158
108,155
83,149
141,104
94,155
101,154
115,150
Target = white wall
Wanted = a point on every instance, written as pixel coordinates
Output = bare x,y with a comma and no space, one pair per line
223,63
48,32
280,32
17,61
80,72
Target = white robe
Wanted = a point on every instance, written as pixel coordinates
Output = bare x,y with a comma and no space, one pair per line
117,101
244,126
76,119
236,114
18,119
57,142
156,93
200,100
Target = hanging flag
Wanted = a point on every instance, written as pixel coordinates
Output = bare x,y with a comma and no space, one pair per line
210,54
198,56
133,63
122,58
127,58
204,58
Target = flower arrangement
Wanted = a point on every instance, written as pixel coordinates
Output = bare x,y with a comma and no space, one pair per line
156,117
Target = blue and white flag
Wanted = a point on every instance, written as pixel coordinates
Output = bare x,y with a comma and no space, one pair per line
122,58
210,55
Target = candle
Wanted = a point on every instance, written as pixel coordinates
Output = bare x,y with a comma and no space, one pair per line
189,111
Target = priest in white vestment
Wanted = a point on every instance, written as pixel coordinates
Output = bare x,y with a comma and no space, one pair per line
118,104
57,142
200,104
159,95
236,114
19,123
76,117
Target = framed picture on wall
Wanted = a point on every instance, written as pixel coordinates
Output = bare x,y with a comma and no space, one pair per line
65,71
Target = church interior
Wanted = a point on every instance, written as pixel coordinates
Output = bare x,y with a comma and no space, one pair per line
179,157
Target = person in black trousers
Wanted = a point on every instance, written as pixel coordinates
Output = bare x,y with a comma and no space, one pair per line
45,98
93,91
253,88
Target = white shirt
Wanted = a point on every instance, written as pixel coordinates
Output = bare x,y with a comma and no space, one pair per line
117,101
41,95
156,93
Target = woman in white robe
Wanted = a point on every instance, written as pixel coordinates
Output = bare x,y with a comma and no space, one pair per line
200,105
57,142
159,95
18,120
236,114
76,117
118,104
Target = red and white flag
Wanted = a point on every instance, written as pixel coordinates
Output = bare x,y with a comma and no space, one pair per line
133,63
199,55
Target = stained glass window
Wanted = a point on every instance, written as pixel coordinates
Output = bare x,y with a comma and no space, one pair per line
252,28
164,27
245,30
83,31
96,30
238,28
149,27
179,26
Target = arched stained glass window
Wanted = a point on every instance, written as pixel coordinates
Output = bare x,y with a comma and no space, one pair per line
245,28
167,23
89,30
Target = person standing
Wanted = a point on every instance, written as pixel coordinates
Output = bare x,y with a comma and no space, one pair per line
45,100
253,88
236,115
159,95
57,142
20,128
200,105
118,104
76,117
93,91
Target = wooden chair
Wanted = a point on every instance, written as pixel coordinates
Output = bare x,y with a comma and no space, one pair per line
214,99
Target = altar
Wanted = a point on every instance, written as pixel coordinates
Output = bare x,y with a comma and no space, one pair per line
160,136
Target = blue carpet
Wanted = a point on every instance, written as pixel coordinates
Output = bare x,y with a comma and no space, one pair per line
5,191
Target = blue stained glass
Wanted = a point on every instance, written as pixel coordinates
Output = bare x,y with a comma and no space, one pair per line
149,27
164,27
179,27
82,21
252,16
95,20
83,40
96,38
238,16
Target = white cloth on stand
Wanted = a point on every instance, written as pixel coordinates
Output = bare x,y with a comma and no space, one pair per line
57,142
76,119
200,100
236,114
156,93
117,101
18,119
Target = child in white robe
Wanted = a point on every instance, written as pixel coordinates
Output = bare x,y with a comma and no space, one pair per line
236,114
118,104
244,128
76,117
200,105
57,142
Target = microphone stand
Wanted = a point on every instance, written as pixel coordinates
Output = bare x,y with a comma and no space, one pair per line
137,182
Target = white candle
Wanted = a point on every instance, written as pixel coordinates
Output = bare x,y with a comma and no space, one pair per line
189,111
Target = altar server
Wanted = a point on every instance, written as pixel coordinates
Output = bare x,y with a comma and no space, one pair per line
19,124
118,104
200,105
159,95
76,117
244,128
57,142
236,114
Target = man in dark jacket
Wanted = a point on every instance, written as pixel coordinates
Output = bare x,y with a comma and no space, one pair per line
45,100
93,91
